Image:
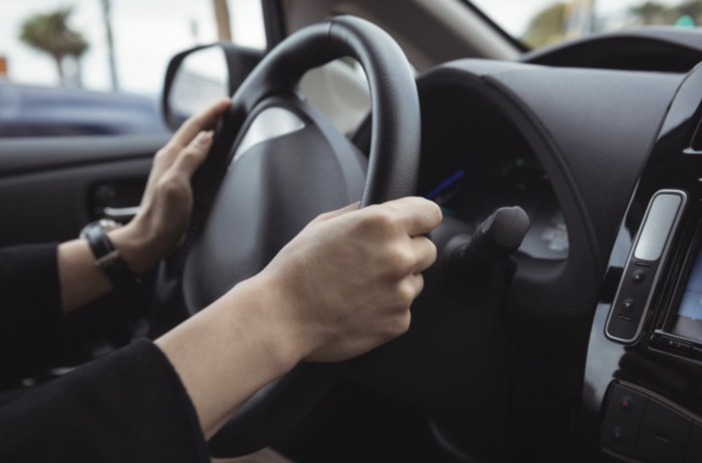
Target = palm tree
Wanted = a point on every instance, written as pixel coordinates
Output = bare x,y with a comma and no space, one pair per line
50,32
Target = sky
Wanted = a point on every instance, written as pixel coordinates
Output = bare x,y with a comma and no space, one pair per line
147,33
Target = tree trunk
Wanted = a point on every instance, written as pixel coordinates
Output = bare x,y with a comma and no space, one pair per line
224,31
79,72
58,59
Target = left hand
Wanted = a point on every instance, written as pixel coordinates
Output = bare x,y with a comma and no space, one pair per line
165,209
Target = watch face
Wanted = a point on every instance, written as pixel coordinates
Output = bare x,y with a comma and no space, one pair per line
107,257
106,224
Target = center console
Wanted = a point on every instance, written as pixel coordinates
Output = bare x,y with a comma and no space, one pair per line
642,396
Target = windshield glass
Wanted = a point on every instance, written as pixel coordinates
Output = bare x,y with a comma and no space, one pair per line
539,23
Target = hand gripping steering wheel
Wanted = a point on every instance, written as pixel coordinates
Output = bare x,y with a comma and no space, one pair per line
277,163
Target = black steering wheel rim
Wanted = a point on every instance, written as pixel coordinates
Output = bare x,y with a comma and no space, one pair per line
390,81
392,173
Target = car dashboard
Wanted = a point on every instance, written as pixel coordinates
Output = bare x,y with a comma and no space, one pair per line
491,180
590,346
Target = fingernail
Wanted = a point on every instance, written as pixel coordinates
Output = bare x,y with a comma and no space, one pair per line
204,138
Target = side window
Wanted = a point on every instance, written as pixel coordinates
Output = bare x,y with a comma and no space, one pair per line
96,67
248,27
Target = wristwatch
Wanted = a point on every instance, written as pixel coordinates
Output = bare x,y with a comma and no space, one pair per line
107,257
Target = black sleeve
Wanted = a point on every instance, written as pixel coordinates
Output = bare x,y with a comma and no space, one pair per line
30,308
127,407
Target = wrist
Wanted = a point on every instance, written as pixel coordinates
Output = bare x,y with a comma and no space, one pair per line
138,250
265,310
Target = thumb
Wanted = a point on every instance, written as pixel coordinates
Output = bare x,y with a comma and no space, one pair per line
339,212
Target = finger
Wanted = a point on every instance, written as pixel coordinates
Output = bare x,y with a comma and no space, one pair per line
417,215
161,162
192,156
425,251
167,155
400,323
417,283
206,120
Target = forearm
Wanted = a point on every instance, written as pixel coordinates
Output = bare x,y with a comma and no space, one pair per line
229,351
125,407
306,306
82,281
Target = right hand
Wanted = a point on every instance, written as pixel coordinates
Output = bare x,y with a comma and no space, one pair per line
344,285
341,287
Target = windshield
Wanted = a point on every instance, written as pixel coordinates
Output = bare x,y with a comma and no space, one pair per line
539,23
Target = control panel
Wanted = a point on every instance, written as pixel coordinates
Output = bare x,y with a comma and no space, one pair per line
642,391
645,261
642,426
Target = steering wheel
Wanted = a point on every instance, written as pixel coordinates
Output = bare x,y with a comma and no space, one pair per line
277,163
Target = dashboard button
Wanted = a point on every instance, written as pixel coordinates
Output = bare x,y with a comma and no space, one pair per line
627,404
682,347
628,306
674,346
621,423
638,277
658,225
663,436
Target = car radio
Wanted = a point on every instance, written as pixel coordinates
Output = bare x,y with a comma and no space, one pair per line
679,327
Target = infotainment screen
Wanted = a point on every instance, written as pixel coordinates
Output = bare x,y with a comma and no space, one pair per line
689,320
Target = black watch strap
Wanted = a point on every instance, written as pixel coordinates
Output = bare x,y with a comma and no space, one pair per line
107,257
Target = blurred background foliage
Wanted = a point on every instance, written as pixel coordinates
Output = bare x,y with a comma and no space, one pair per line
570,19
51,33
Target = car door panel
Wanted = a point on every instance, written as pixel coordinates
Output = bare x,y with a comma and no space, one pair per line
51,188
